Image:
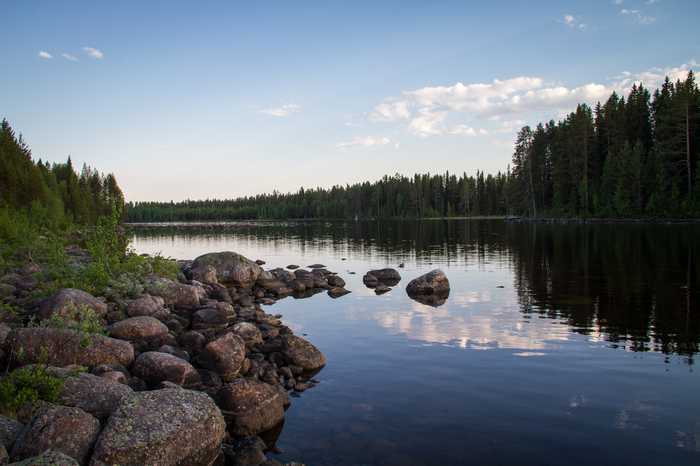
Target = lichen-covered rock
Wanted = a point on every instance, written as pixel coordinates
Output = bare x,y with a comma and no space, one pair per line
251,407
143,332
249,332
48,458
69,302
154,367
174,293
433,282
9,431
224,356
98,396
61,347
147,305
302,353
231,268
68,430
163,427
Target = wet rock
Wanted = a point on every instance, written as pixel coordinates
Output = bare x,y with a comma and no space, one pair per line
174,293
224,356
245,451
164,427
260,262
98,396
231,268
48,458
61,347
302,353
154,367
433,282
251,407
68,430
304,277
209,318
147,305
292,267
9,431
249,332
143,332
336,281
68,303
337,292
381,289
388,277
370,280
316,266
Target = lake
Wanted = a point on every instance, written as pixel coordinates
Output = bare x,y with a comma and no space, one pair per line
558,344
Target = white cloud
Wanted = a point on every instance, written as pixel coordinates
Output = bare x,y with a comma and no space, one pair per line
618,2
573,22
569,20
367,141
504,105
638,16
94,53
69,57
45,55
283,111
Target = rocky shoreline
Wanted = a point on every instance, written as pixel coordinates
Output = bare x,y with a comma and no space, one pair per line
190,372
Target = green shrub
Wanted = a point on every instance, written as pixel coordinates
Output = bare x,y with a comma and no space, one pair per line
27,385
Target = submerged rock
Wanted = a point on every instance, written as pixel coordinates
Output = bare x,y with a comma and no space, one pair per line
337,292
230,268
163,427
251,407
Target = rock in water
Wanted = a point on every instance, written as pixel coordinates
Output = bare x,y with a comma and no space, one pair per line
388,277
60,347
163,427
231,268
251,407
70,431
302,353
433,282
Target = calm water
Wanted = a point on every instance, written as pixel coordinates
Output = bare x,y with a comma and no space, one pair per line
558,344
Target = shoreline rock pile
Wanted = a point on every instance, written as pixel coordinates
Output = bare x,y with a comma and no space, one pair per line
190,372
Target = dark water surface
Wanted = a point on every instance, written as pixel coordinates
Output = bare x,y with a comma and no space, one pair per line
558,345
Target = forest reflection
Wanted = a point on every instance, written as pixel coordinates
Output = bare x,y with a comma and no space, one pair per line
635,286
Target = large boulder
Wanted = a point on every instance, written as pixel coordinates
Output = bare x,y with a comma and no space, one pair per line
209,318
143,332
249,332
62,347
224,355
434,282
98,396
231,268
302,353
174,293
9,431
69,303
163,427
147,305
251,407
68,430
154,367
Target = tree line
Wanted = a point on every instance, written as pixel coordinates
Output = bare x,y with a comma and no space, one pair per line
54,193
628,157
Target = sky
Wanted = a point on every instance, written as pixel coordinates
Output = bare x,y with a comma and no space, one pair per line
194,100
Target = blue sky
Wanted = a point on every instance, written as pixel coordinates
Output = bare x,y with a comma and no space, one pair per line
221,99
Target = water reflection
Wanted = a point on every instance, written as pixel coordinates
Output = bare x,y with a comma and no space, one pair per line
632,286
